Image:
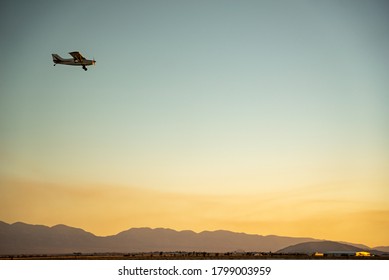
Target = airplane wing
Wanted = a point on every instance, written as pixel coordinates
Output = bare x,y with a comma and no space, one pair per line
77,56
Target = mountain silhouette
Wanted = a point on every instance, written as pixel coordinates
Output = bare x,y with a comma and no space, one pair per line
382,248
21,238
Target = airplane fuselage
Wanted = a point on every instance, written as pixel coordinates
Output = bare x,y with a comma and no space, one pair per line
74,62
77,60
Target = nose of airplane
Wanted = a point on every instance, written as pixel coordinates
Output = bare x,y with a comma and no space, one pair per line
93,61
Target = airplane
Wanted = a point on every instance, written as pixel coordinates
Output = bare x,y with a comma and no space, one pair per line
77,60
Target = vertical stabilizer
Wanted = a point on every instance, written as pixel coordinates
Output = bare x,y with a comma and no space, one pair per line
56,58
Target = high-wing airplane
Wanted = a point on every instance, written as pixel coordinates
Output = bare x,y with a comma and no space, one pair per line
77,60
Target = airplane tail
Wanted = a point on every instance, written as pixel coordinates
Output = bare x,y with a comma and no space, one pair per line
56,58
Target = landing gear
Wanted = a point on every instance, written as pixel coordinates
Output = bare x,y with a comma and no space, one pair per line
83,67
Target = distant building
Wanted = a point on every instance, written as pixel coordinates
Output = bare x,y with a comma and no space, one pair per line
347,254
362,254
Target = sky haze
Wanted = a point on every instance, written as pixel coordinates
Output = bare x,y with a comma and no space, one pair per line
266,117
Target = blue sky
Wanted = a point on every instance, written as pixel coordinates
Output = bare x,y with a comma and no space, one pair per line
197,96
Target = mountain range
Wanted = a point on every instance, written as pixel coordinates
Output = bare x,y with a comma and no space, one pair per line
21,238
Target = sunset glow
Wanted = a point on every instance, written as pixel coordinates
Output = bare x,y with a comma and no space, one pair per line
247,116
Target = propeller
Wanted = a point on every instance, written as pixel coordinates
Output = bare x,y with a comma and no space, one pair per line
93,61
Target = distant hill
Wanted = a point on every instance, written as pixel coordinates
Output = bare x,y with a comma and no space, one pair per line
323,246
21,238
382,248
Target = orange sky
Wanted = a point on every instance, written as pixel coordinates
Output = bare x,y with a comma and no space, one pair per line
320,212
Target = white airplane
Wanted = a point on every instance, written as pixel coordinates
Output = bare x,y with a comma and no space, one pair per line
77,60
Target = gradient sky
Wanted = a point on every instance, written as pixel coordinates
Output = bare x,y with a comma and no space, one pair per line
267,117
